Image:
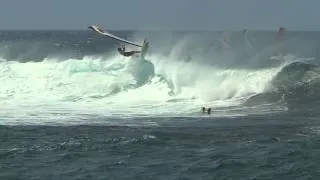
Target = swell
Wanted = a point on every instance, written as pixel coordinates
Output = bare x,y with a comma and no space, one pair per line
296,86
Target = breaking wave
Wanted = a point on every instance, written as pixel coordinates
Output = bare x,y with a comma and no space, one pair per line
173,80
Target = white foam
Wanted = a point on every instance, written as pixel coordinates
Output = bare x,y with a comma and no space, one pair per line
76,91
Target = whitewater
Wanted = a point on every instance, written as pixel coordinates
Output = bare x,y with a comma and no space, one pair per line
73,108
101,87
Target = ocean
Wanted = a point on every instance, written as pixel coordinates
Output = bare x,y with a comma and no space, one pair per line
73,108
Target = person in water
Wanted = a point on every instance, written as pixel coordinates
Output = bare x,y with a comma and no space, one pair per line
206,110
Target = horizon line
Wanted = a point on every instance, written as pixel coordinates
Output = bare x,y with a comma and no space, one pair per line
149,29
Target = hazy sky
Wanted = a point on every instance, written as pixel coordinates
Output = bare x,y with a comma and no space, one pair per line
160,14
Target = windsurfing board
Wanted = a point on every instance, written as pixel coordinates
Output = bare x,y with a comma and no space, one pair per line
106,33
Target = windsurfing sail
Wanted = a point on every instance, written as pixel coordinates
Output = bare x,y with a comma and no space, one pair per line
225,40
246,40
280,34
105,33
281,40
144,48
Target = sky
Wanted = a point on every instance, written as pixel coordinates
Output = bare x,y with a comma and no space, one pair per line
161,14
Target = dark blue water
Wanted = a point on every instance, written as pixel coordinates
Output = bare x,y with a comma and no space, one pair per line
272,145
240,148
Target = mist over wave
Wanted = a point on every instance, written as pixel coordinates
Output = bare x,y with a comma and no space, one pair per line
78,74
